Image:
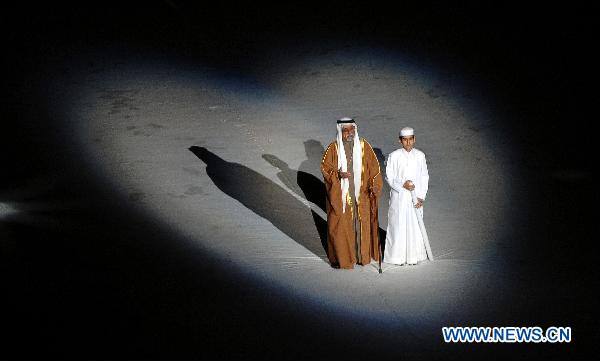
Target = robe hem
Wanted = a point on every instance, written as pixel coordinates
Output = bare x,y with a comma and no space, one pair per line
396,261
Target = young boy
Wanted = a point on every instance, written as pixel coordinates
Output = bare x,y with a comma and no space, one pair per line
406,170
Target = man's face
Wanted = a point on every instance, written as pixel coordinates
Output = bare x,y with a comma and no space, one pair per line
407,142
348,133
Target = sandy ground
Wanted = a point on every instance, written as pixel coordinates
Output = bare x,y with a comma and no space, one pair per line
223,161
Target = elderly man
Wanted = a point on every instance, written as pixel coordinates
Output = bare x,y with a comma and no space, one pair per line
406,170
353,183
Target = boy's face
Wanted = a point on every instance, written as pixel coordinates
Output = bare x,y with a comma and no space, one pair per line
407,142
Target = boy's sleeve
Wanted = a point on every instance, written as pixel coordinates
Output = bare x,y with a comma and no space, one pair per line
424,181
391,173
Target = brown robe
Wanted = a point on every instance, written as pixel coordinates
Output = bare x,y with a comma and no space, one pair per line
341,242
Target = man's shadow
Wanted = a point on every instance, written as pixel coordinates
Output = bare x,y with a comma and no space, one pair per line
267,199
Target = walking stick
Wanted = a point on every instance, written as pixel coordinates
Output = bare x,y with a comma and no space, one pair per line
375,230
379,246
422,226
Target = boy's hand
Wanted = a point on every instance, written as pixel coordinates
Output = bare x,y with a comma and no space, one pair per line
419,203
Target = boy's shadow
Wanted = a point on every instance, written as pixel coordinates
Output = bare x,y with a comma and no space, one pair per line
304,183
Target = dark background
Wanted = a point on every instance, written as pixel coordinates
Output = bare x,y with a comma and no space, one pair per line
88,278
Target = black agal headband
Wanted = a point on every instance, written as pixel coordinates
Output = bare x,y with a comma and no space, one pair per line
345,121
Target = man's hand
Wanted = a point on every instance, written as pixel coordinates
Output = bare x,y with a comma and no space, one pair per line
419,203
343,174
408,185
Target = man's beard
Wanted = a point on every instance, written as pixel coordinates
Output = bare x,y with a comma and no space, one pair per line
349,139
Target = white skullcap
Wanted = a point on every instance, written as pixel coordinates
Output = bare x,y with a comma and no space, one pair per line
407,131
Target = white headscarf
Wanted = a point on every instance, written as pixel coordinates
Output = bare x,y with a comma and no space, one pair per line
343,164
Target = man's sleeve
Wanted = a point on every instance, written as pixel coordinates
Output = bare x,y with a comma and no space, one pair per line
374,171
329,170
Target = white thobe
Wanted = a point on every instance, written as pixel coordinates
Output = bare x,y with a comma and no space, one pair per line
404,241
